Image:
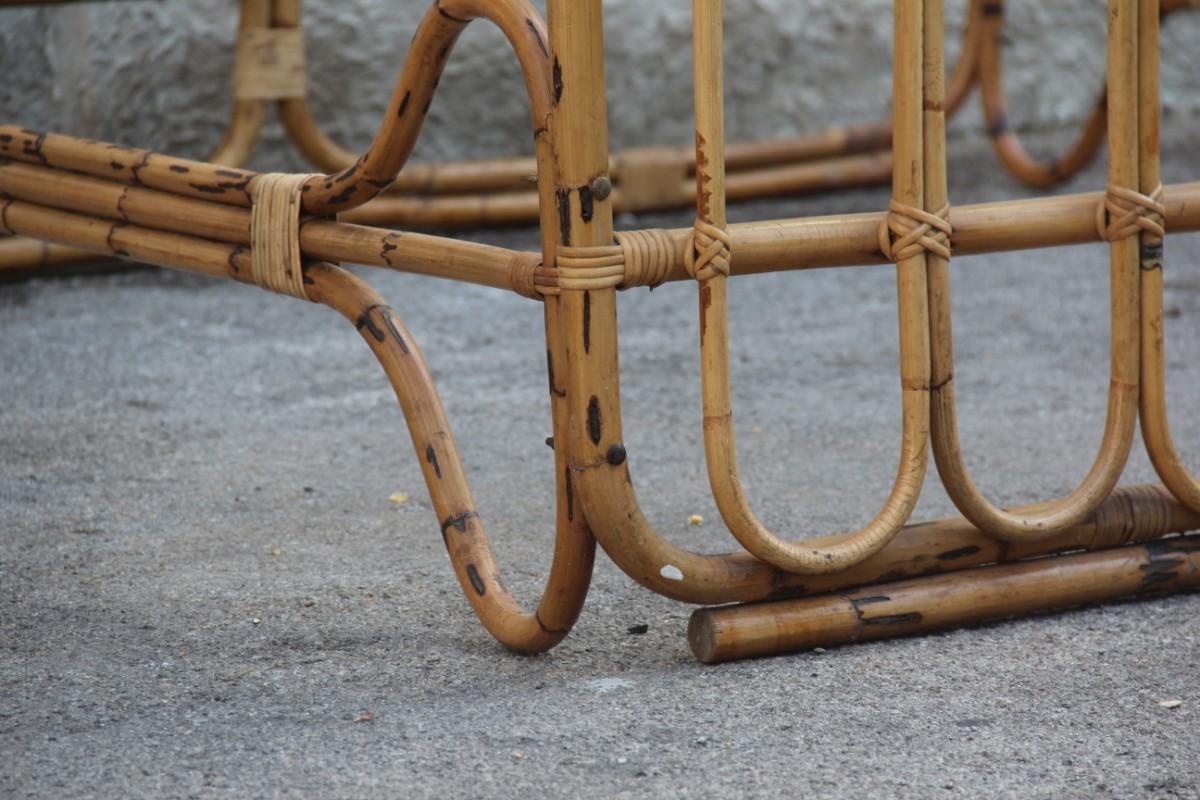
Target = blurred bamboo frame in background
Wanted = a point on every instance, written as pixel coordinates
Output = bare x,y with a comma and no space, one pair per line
286,233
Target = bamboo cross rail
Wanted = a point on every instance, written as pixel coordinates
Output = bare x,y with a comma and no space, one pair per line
287,233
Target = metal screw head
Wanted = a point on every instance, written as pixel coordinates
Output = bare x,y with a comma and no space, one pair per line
601,187
616,455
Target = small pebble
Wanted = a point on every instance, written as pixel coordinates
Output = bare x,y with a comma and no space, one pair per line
1170,703
695,519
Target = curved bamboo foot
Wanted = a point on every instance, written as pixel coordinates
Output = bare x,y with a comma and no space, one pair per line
462,529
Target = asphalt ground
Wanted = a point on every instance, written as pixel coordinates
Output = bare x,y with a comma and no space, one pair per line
205,590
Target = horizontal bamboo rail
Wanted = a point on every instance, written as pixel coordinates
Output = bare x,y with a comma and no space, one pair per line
762,247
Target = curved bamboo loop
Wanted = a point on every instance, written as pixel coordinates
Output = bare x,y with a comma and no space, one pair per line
1156,431
462,529
1005,140
1123,385
709,266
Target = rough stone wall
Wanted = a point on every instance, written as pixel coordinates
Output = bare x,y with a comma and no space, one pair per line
158,74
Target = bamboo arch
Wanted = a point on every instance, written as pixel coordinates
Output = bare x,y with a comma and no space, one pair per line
223,222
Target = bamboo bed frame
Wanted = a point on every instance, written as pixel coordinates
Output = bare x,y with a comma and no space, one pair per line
285,233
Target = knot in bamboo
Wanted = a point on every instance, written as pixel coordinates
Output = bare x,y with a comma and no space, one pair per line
906,231
1125,212
275,233
709,255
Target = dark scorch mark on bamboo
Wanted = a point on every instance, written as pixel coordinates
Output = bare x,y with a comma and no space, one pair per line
476,581
554,390
587,321
563,198
431,457
593,419
569,490
961,552
459,521
585,203
537,35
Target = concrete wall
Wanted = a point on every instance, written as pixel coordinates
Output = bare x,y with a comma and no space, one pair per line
158,74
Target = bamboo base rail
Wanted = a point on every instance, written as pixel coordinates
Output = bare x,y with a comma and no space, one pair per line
286,233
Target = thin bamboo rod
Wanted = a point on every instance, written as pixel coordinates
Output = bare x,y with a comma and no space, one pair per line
766,246
246,119
462,529
831,553
1118,432
1156,431
324,240
969,597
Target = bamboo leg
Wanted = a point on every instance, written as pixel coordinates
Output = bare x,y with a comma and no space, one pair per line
969,597
1123,390
463,532
1153,403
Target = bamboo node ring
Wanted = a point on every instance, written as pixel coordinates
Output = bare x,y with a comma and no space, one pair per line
905,231
710,253
275,233
1124,212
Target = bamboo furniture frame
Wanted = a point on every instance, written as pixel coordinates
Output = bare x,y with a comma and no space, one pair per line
285,233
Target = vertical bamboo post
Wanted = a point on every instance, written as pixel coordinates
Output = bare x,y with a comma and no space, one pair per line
1117,439
1123,172
579,137
1155,424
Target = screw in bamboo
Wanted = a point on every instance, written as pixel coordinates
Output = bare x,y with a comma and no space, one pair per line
1153,401
1123,387
969,597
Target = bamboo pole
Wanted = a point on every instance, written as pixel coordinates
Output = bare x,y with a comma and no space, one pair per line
1153,402
1118,432
836,552
324,240
969,597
